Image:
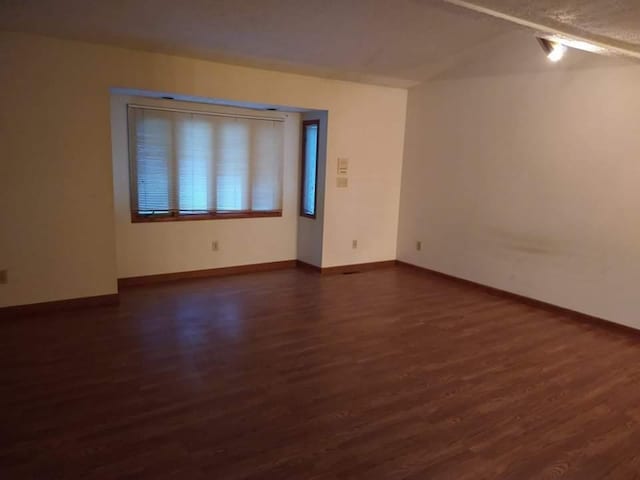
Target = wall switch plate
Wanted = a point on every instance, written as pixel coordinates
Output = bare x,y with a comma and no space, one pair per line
343,166
354,243
342,182
418,245
4,276
214,246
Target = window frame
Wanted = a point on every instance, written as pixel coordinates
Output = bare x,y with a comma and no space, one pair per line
303,162
176,216
185,217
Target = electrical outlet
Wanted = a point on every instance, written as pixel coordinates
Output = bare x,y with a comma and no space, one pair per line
418,245
354,243
214,246
4,277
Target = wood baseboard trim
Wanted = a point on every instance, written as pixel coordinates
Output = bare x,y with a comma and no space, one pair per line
574,315
308,266
210,272
59,306
357,268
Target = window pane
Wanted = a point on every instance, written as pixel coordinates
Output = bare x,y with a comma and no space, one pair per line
195,162
266,169
310,167
232,176
154,151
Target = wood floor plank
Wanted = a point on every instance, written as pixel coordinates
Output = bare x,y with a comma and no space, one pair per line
385,374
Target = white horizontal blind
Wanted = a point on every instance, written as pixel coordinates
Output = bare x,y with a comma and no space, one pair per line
232,180
153,144
186,163
266,169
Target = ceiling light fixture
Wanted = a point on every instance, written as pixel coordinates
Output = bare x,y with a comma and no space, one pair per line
577,44
553,34
554,50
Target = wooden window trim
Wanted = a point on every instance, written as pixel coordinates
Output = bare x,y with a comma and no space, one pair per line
185,217
304,169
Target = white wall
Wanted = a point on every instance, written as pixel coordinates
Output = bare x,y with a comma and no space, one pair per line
57,230
368,209
524,175
310,230
165,247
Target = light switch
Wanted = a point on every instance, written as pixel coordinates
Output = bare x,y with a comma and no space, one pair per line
343,166
342,182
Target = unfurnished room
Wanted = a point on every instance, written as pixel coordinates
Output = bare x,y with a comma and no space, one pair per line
356,239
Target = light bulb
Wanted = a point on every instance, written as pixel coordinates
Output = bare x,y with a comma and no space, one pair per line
557,52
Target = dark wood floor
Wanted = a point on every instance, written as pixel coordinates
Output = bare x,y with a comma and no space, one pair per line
390,374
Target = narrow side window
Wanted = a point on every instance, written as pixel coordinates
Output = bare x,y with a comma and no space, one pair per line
310,134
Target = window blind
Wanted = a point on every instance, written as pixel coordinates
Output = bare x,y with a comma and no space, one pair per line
189,163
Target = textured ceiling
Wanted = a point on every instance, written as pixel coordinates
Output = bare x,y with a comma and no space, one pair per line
614,23
392,42
389,42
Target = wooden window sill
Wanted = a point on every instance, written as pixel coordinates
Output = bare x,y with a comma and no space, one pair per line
140,218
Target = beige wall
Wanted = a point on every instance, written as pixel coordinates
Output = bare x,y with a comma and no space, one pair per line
58,235
523,175
371,137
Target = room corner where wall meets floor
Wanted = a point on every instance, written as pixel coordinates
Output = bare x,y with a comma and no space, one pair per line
521,175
